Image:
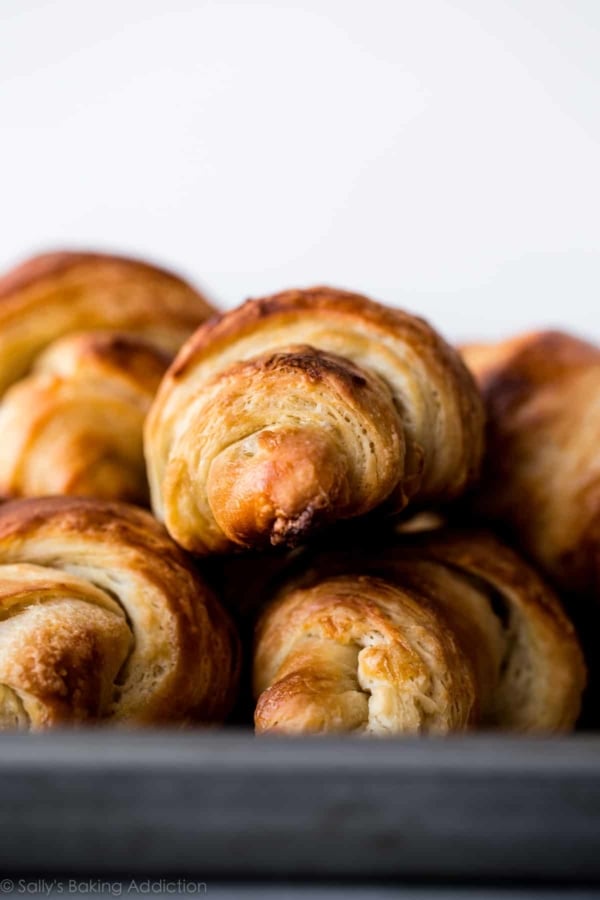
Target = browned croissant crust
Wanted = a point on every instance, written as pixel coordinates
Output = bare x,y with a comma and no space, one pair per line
434,633
72,404
304,408
74,425
542,472
103,619
55,294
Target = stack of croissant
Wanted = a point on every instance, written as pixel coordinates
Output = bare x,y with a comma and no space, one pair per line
354,526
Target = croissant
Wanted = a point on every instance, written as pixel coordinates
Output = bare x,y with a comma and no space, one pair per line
72,405
542,471
57,293
102,618
74,425
438,632
292,412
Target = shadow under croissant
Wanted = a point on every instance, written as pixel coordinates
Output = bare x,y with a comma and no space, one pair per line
586,618
244,583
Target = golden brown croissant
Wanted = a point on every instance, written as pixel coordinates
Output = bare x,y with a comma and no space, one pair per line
72,405
103,618
304,408
542,470
434,633
74,425
55,294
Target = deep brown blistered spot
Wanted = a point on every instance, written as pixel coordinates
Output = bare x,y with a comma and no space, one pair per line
122,349
117,353
291,531
316,365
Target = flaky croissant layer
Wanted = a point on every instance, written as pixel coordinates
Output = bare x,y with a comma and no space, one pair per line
74,425
84,341
301,409
102,618
436,633
56,294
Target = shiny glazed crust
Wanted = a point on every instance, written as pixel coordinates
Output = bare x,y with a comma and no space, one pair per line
432,633
307,407
542,471
103,618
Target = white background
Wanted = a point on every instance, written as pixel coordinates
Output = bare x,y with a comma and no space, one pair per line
438,154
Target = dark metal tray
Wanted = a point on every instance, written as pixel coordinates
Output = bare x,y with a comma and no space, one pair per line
228,805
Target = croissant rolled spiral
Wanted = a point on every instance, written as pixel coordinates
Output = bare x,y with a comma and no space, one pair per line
84,341
542,470
103,619
55,294
438,633
74,425
307,407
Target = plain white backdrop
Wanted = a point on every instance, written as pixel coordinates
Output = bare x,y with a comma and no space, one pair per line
443,155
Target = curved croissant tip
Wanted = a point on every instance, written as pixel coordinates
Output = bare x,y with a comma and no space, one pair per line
273,487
